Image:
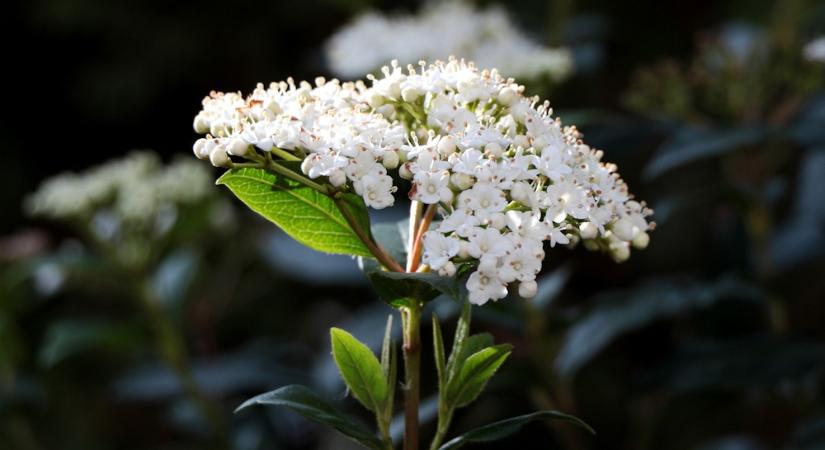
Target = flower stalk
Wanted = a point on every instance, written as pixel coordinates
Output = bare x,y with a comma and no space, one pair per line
411,325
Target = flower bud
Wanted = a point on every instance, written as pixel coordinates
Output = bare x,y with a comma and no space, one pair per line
493,149
201,124
219,158
590,245
376,100
306,165
624,229
337,178
641,240
405,172
620,252
461,181
462,249
448,270
497,221
410,94
390,159
200,147
507,96
528,289
446,146
237,147
587,230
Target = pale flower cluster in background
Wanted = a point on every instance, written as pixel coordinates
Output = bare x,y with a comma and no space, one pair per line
137,190
488,37
505,175
814,51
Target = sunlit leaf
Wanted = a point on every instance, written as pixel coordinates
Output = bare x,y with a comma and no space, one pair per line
307,215
360,369
472,376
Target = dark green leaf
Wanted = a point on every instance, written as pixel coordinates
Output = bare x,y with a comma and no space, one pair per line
306,403
397,288
307,215
389,365
501,429
691,144
462,329
360,370
389,237
474,374
618,312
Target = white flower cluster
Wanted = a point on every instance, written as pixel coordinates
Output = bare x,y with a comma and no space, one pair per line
505,175
487,37
814,51
135,189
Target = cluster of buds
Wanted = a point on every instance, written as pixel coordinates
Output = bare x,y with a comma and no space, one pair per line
505,176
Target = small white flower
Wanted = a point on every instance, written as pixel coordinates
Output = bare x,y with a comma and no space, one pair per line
433,187
487,241
521,263
527,225
483,200
484,286
438,249
376,190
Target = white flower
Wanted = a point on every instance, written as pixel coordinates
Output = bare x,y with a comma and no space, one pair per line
376,190
484,286
521,263
483,200
433,187
438,249
527,225
487,241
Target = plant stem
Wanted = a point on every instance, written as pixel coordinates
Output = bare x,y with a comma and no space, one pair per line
411,324
376,251
419,235
283,171
173,351
445,416
284,154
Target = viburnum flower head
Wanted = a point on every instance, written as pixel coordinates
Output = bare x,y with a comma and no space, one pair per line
505,176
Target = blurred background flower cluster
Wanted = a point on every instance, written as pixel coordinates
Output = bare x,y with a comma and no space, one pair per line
139,304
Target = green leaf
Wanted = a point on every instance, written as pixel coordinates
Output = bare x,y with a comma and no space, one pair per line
308,216
306,403
474,374
389,365
472,345
438,345
462,329
503,428
397,288
390,237
360,370
691,144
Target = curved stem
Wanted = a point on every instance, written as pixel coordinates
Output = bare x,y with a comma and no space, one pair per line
411,324
382,257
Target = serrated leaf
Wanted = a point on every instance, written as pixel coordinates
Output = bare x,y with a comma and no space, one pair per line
305,214
306,403
503,428
474,374
360,370
396,288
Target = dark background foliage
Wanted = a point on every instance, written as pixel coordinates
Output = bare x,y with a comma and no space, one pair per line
712,338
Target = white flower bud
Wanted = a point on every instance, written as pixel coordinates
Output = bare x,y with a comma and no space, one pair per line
620,252
448,270
507,96
390,159
493,149
200,147
462,249
410,94
219,158
461,181
446,146
528,289
337,178
587,230
497,221
624,229
405,172
306,164
237,147
394,90
521,141
523,193
641,240
201,124
376,100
